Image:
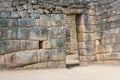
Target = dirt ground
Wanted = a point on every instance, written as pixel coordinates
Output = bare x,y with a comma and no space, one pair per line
93,72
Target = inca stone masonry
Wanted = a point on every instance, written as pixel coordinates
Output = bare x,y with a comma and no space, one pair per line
37,34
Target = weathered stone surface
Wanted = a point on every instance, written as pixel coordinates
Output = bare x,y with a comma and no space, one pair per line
31,45
57,55
23,1
23,45
8,46
60,64
98,49
11,9
59,43
113,56
92,12
26,57
38,33
44,55
7,4
5,15
27,6
33,1
86,44
115,47
35,6
20,8
17,33
10,60
58,20
48,44
35,15
86,28
108,48
16,3
45,20
40,65
84,58
15,14
3,33
3,22
24,14
13,23
2,62
85,37
26,22
57,32
39,11
86,52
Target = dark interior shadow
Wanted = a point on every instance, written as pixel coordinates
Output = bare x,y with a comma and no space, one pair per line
69,66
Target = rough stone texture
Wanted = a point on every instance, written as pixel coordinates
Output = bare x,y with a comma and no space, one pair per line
39,33
26,57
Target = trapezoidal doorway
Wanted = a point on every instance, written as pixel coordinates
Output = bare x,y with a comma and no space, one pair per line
72,57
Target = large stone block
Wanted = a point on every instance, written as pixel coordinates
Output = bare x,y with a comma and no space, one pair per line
86,44
60,64
48,44
2,62
44,55
115,47
3,33
10,60
26,57
54,43
8,46
17,33
42,65
46,20
59,43
57,32
57,55
16,3
86,52
20,8
13,23
109,48
113,56
23,45
26,22
5,15
58,20
15,14
38,33
24,14
32,45
4,22
7,4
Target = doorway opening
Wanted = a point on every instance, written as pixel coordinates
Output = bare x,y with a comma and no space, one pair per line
72,57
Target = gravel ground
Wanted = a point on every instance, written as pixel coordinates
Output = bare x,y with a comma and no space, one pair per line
93,72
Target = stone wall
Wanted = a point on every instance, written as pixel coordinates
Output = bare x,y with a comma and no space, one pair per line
39,33
86,24
107,32
30,37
